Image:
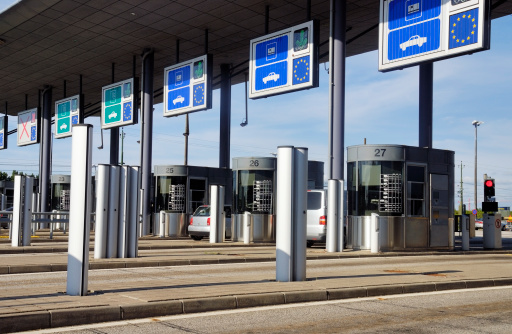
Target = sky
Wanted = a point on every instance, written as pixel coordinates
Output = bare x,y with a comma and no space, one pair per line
380,107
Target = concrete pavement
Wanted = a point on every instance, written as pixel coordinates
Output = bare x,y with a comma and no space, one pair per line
183,276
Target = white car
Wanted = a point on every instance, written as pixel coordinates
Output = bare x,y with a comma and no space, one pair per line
113,114
63,126
271,76
179,99
414,40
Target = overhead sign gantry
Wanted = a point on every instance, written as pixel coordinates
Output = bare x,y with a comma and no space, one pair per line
28,127
68,112
188,86
284,61
416,31
119,104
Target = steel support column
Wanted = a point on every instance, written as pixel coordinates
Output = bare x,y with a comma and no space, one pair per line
225,116
148,64
44,178
337,90
426,104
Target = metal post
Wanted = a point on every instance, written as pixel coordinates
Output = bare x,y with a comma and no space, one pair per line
337,90
79,210
217,227
133,212
113,211
300,179
44,178
27,210
102,194
335,233
225,116
114,134
148,60
476,124
122,232
292,202
426,104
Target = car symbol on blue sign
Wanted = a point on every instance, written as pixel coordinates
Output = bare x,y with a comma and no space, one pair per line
271,76
414,40
178,98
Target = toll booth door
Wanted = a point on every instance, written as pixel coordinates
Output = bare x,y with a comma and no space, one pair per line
198,194
439,202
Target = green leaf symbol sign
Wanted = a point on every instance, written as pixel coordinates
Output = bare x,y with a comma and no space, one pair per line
302,41
199,70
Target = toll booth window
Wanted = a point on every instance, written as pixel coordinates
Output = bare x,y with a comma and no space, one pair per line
352,188
255,191
167,193
416,191
370,195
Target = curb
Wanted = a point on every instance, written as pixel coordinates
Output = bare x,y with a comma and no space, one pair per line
39,268
88,315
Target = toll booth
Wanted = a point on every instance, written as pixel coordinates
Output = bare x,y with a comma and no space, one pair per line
254,193
411,189
179,190
61,185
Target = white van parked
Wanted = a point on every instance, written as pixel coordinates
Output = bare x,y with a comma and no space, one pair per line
317,216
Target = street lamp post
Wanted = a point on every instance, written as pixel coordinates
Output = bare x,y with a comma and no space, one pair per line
476,124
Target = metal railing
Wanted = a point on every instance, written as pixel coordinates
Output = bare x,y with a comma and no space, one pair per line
50,218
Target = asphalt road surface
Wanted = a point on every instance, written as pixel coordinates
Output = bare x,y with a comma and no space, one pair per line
487,310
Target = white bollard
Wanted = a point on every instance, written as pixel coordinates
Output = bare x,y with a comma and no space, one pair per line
291,213
113,211
335,234
17,210
162,224
216,214
374,234
248,231
100,236
80,210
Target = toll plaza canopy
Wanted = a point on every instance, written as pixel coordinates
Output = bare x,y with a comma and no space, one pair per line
49,42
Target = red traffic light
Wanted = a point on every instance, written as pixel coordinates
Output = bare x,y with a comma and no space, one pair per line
489,183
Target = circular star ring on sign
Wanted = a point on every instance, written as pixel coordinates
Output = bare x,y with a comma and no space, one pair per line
299,63
199,98
471,31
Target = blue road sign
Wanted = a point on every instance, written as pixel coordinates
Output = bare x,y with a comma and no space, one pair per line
274,75
1,140
414,40
178,78
272,51
74,119
178,98
403,13
301,70
463,29
33,133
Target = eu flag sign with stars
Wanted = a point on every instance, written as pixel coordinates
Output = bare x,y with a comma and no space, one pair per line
463,28
301,70
199,94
